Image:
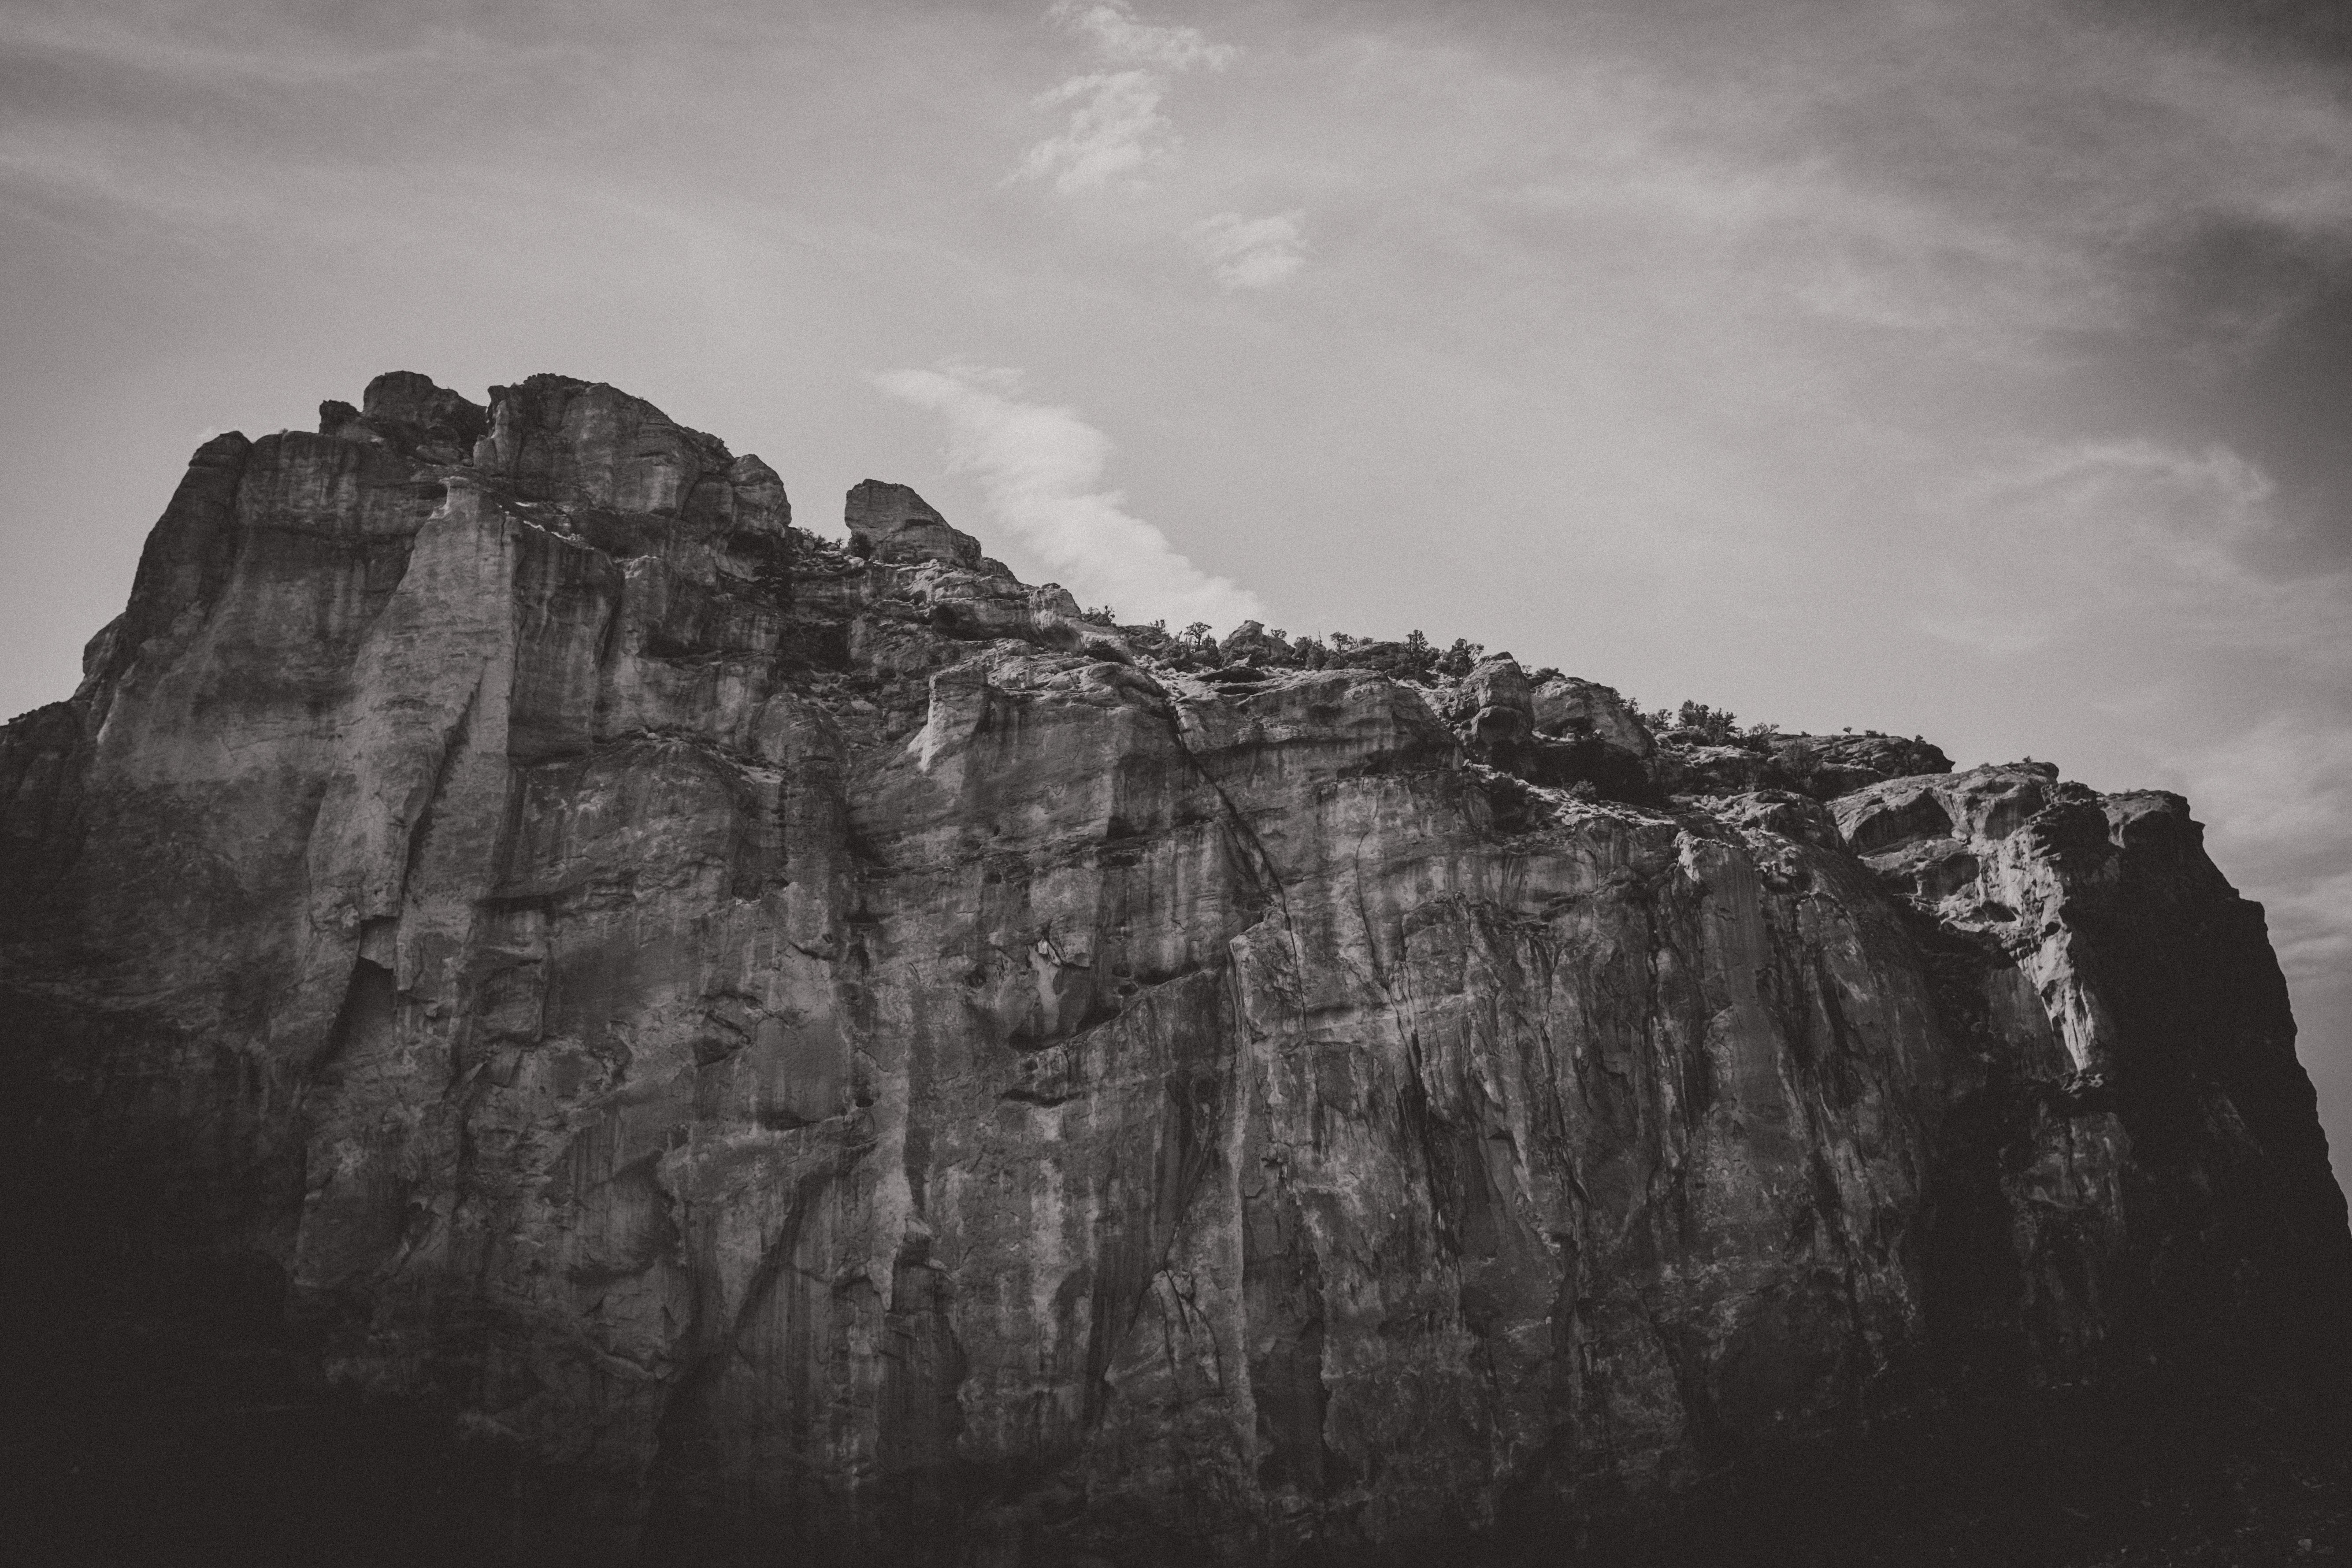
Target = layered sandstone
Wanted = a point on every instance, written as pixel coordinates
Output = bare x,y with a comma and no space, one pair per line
844,1049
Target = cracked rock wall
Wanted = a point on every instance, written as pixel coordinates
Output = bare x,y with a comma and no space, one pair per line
844,1050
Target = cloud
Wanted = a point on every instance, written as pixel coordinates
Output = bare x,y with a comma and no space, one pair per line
1123,39
1117,129
2279,797
1117,132
1990,179
1041,468
1252,253
2131,542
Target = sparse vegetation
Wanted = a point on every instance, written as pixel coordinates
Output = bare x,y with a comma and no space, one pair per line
1461,658
1695,721
1414,657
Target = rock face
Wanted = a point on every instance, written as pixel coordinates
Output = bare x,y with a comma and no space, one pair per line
841,1050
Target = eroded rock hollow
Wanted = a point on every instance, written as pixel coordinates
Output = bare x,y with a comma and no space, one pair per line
820,1055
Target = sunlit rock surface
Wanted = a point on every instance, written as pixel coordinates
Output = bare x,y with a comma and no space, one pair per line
843,1050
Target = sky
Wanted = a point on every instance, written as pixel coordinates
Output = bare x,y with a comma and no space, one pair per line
1970,369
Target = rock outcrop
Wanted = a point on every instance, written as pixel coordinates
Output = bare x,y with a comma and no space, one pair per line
842,1050
892,524
1567,707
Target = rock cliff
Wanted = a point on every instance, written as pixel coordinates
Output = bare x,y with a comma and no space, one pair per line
778,1045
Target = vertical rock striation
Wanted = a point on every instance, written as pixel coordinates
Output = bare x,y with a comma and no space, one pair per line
844,1050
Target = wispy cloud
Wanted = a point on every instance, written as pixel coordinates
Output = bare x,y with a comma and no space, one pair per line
1041,470
1116,129
2278,800
2132,538
1121,38
1255,252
